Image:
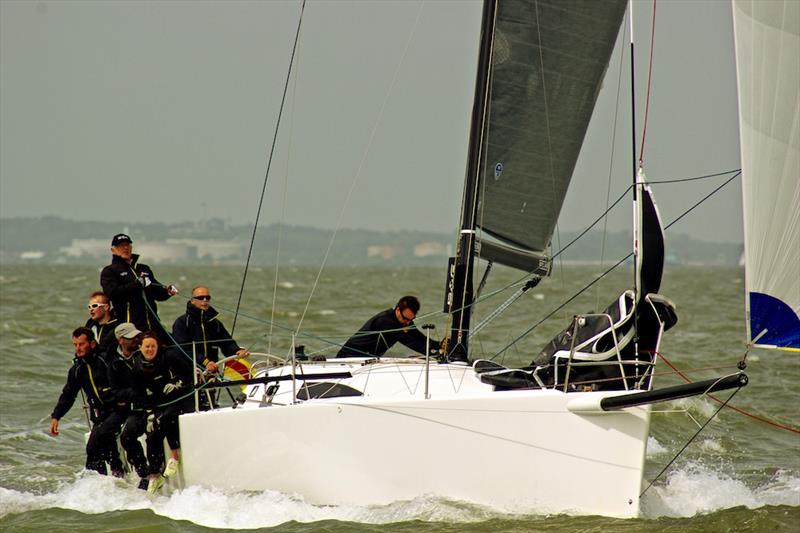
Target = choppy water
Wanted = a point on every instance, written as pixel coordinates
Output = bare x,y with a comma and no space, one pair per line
739,475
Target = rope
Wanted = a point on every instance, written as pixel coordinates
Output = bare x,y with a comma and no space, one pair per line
269,164
734,408
690,441
649,78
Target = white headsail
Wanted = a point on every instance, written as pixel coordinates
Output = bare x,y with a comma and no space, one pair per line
767,36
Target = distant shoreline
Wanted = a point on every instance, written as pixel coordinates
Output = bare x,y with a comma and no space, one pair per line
54,240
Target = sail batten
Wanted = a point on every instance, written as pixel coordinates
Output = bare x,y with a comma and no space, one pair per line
548,62
767,38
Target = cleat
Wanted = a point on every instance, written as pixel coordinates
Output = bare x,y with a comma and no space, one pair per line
154,484
172,467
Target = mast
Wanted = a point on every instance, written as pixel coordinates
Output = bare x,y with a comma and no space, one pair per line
460,292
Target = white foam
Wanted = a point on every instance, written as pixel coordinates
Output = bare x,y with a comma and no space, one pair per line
702,406
91,493
696,489
689,491
712,445
654,447
326,312
286,285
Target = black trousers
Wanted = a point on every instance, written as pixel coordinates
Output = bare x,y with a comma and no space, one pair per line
101,448
134,426
165,427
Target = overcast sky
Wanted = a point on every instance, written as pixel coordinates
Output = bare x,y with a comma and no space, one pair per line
165,111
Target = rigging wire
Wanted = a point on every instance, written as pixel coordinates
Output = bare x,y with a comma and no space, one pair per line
684,180
691,440
269,164
554,213
283,208
649,79
357,175
606,272
733,407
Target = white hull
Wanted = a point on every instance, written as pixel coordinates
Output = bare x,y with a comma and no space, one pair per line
522,451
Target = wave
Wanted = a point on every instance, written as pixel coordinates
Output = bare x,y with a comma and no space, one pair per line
688,492
698,489
94,494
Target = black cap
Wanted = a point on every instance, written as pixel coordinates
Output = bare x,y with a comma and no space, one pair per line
119,238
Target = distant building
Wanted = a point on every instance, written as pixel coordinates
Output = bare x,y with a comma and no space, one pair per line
385,252
210,250
31,255
87,248
169,251
432,249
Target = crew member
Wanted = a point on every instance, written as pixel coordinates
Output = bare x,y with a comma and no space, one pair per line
129,398
102,323
166,377
133,288
89,373
385,329
200,330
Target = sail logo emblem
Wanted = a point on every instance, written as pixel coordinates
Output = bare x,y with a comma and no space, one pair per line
498,169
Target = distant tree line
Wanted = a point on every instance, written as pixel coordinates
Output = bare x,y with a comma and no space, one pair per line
306,246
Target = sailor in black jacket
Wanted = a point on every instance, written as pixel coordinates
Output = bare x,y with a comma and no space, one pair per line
166,377
388,327
199,330
89,372
128,395
133,288
102,323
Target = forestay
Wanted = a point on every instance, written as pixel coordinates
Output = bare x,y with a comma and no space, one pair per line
548,62
767,36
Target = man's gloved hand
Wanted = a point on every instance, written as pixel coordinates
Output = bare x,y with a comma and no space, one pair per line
144,280
151,423
172,387
172,290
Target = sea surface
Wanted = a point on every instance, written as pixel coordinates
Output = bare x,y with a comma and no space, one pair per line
739,474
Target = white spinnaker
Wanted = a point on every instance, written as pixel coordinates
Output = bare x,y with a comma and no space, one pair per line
767,34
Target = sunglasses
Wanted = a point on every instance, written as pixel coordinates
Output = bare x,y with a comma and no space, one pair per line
203,297
406,317
92,307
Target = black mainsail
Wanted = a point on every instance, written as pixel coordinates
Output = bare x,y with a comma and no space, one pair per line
540,70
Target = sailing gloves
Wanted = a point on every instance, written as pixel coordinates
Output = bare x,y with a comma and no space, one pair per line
172,387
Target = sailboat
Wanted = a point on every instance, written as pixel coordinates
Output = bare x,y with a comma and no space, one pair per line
567,434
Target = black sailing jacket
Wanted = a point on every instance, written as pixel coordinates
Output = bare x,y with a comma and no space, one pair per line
104,335
126,391
168,367
380,333
89,373
206,331
129,299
